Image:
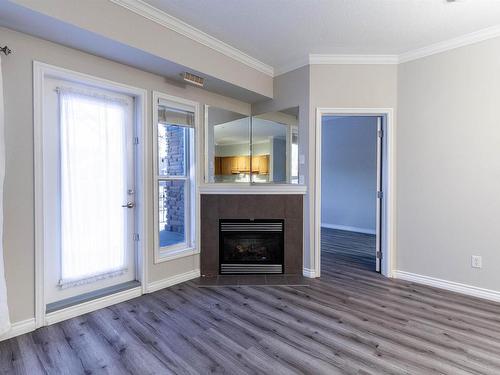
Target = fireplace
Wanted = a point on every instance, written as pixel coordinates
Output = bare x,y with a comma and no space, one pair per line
251,246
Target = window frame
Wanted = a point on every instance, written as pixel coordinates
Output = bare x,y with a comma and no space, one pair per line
191,215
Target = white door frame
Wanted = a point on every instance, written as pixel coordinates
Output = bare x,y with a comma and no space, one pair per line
388,203
41,71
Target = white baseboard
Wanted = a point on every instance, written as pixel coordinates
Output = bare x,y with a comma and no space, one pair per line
309,272
86,307
348,228
169,281
19,328
469,290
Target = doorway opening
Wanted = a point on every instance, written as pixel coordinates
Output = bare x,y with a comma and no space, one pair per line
352,191
349,185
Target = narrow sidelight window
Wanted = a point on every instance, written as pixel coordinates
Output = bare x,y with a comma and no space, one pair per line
174,175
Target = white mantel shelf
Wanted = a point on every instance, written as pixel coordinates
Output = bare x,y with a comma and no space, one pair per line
277,189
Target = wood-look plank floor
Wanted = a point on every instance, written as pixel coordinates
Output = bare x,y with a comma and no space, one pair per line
350,321
358,248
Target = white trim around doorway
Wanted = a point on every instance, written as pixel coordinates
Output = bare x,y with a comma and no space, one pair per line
388,183
41,71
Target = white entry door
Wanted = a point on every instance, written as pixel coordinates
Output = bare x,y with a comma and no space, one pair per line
89,192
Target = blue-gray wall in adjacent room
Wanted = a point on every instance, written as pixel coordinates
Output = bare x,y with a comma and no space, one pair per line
279,159
349,172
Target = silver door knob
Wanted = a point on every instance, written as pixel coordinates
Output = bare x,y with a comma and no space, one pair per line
129,205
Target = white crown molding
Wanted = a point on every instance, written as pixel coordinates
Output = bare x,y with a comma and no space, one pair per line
464,40
320,59
335,59
147,11
172,23
332,59
291,66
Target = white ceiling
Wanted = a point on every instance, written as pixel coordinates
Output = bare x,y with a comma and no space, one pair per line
281,32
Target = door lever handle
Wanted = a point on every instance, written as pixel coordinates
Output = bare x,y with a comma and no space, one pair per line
129,205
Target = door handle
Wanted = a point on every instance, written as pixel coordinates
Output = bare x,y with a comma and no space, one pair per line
129,205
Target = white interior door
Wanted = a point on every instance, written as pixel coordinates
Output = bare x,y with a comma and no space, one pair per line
89,179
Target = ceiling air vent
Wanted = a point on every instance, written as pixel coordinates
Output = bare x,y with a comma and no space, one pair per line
193,79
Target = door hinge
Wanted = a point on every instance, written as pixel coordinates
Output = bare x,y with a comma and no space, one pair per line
136,236
378,254
136,140
380,194
380,133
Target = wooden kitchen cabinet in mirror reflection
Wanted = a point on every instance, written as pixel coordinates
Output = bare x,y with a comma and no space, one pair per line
228,165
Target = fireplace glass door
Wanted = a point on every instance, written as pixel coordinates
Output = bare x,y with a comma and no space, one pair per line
251,246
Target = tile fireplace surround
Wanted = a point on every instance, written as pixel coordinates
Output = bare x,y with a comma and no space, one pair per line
248,206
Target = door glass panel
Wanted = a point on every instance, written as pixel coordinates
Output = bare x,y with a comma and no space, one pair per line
252,247
171,212
93,186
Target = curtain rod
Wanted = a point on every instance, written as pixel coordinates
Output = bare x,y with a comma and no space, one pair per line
6,50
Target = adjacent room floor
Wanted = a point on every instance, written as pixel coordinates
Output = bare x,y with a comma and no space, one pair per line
357,248
351,320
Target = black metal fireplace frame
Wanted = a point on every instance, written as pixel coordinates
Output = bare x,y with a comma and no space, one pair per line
253,221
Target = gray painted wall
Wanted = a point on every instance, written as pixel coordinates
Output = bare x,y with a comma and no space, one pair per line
345,86
278,158
448,166
349,172
19,232
327,86
291,90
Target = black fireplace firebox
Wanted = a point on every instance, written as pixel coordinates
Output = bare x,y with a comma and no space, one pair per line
251,246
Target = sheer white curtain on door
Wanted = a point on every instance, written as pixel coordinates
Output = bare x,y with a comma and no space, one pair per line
4,310
93,186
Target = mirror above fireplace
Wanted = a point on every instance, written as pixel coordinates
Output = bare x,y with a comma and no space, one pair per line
260,149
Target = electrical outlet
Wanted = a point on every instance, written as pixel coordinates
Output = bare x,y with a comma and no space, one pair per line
476,261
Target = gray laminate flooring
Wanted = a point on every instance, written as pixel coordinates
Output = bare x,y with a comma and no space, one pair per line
358,248
350,321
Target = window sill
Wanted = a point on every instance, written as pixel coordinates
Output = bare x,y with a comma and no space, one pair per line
166,255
